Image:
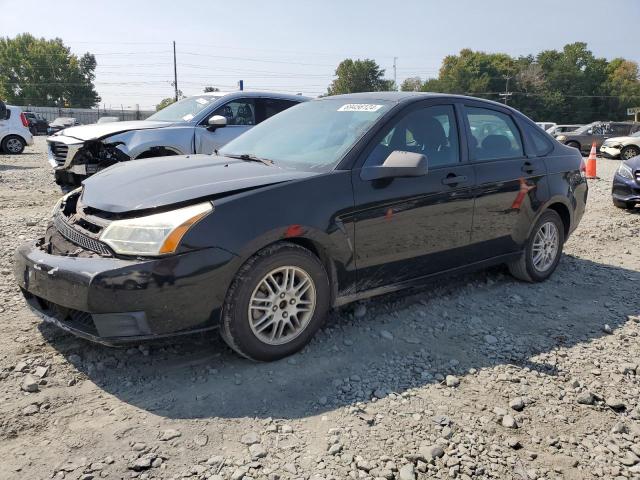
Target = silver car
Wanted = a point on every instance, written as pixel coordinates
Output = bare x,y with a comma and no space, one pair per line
191,125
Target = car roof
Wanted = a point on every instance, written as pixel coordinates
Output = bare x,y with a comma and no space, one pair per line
405,97
252,93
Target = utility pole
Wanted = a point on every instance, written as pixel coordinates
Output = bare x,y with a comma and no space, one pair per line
395,83
507,94
175,70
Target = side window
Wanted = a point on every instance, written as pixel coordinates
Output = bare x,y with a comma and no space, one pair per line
431,131
238,112
494,135
268,107
620,129
541,143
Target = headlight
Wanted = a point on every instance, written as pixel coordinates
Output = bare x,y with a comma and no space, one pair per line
63,199
625,171
157,234
561,138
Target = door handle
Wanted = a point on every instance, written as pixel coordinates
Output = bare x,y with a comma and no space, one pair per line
528,167
454,179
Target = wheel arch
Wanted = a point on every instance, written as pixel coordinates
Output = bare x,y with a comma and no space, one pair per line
149,152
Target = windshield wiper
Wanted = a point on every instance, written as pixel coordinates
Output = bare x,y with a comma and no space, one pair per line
251,158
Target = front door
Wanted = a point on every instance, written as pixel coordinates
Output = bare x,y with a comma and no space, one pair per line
241,116
410,227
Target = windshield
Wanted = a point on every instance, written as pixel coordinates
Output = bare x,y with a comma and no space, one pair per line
584,128
185,109
310,136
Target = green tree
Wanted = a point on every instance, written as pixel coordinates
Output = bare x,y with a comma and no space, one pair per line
165,102
567,86
411,84
359,76
44,72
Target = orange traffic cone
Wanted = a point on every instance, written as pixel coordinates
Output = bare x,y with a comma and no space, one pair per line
591,162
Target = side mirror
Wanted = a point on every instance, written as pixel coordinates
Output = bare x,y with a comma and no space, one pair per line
398,164
3,111
217,121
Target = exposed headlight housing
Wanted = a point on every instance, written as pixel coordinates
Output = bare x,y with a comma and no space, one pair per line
625,171
561,138
63,199
154,235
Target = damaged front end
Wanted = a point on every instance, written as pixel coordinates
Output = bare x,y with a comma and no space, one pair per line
73,162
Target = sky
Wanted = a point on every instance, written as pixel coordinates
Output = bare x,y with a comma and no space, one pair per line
295,46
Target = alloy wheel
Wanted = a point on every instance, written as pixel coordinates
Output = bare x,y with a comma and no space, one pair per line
545,246
629,153
14,145
282,305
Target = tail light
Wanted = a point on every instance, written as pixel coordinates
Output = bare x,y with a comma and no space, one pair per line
23,117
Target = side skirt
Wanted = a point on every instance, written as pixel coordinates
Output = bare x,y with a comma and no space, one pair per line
419,281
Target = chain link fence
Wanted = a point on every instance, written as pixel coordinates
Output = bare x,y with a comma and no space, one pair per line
87,115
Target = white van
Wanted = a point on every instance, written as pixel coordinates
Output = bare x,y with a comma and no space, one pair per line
14,130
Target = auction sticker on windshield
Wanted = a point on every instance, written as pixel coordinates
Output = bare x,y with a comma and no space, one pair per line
360,107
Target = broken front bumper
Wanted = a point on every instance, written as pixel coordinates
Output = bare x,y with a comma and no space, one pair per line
609,152
113,301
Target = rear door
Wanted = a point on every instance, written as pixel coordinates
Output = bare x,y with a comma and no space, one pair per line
268,107
410,227
508,180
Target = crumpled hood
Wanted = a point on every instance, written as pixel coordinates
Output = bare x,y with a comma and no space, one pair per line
101,130
618,140
157,182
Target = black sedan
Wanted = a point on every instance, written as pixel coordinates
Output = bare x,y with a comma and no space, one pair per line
625,191
331,201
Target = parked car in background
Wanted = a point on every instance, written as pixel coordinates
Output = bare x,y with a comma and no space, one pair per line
61,123
546,125
559,129
191,125
598,132
622,147
108,120
331,201
625,191
38,125
14,131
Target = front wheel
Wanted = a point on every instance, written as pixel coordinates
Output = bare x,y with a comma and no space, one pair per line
573,144
277,301
13,145
629,152
542,251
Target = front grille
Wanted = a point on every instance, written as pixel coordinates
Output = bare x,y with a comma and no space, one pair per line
78,238
75,319
60,152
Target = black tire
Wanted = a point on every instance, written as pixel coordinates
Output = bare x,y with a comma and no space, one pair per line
624,205
13,144
523,268
573,144
629,151
235,325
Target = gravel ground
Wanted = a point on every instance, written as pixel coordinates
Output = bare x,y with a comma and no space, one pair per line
478,377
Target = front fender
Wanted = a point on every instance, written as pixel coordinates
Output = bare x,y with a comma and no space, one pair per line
134,143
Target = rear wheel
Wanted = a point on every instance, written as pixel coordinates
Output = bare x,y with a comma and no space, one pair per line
13,145
629,152
621,204
543,250
278,300
573,144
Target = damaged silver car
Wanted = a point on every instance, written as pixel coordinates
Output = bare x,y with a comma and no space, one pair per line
191,125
